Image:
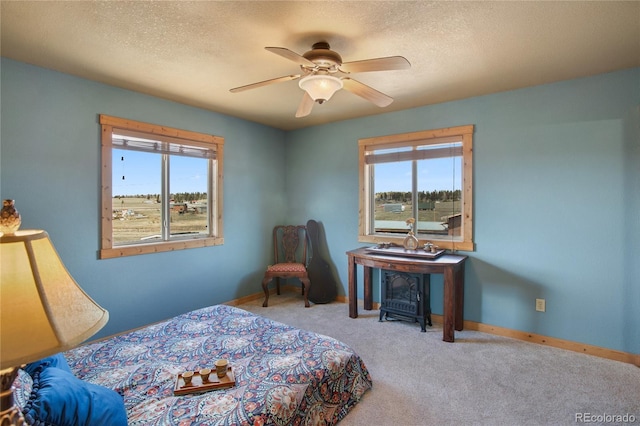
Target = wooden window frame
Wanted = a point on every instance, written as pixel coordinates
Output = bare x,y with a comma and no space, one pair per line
185,137
462,133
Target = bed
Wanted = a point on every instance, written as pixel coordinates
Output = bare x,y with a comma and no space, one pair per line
283,375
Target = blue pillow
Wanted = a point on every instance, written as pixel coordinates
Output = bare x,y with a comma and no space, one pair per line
57,360
60,398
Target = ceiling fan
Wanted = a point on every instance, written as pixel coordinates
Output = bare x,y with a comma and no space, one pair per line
321,67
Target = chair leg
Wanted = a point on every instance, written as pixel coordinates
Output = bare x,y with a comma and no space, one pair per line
305,291
278,286
265,282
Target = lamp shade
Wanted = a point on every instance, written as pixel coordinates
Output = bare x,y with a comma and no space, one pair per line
320,87
44,311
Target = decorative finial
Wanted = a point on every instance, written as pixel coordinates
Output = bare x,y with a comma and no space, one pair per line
9,218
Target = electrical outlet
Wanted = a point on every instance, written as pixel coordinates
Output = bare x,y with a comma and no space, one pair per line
540,305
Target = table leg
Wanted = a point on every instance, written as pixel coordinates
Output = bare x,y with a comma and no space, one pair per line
459,285
449,305
368,288
353,287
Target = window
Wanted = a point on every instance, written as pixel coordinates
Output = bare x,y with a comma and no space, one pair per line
423,175
161,188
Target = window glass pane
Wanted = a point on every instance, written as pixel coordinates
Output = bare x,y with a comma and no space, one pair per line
439,179
188,187
392,190
439,197
136,196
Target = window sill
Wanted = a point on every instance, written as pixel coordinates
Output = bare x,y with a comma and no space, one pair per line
133,250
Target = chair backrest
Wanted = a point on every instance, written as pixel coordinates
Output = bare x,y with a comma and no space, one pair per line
290,244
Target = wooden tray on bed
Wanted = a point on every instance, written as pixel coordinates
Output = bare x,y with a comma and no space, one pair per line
197,385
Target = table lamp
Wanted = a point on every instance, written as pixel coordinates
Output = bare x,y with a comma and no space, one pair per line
43,310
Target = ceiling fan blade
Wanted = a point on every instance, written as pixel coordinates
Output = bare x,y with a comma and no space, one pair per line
377,64
366,92
305,107
291,55
264,83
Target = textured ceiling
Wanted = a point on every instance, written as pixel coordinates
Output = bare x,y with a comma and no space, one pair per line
194,52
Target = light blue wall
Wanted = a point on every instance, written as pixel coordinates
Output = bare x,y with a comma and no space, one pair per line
50,162
557,183
556,176
631,291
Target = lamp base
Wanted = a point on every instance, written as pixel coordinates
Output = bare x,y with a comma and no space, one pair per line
10,414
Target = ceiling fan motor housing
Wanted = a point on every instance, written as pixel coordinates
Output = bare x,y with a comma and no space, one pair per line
325,58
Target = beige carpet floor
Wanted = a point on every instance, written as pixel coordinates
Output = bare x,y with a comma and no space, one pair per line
481,379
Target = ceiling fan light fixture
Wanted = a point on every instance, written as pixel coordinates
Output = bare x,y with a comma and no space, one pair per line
320,87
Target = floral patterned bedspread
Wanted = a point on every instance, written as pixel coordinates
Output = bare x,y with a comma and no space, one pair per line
284,375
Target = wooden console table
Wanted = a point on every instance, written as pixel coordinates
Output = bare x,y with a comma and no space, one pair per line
450,265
